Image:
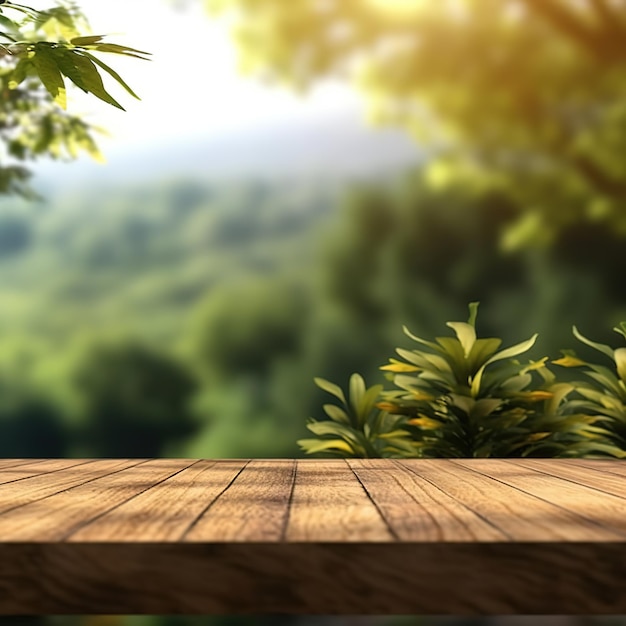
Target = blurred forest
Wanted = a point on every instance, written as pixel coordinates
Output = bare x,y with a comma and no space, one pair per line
237,295
188,319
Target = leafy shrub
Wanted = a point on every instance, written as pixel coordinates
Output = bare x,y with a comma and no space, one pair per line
464,397
603,394
358,428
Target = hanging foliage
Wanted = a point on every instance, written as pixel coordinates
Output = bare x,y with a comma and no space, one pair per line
41,54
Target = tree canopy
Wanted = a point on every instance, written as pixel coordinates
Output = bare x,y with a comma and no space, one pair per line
525,94
40,53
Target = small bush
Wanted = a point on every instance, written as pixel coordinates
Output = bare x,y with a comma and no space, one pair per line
464,397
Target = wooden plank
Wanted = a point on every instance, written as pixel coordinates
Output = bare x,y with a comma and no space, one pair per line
579,474
609,466
19,493
253,507
329,504
605,512
10,463
516,515
36,468
418,509
54,517
165,511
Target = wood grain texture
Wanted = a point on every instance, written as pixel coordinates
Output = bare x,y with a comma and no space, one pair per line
254,507
18,493
604,512
330,504
11,473
608,466
420,509
166,511
604,482
198,536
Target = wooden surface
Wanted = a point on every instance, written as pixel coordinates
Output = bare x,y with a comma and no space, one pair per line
125,536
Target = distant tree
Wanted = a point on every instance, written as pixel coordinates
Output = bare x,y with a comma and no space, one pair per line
135,401
528,94
39,51
30,425
392,246
408,255
241,329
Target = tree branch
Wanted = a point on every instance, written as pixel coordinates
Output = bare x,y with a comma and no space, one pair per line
570,24
607,16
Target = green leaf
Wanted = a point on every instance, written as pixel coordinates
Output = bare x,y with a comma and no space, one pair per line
124,50
466,334
473,309
606,377
402,444
327,427
484,407
430,344
515,350
5,22
413,356
331,388
482,351
18,75
590,447
519,348
465,403
597,346
113,73
84,74
403,434
560,391
357,390
337,414
620,360
368,400
311,446
89,40
411,383
50,76
516,383
621,329
607,405
438,362
453,351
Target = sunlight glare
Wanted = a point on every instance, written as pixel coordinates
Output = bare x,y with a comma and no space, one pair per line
398,7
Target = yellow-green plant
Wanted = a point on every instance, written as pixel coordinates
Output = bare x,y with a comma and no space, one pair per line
603,394
464,397
358,428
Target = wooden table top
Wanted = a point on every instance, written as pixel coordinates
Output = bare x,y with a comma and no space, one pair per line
173,536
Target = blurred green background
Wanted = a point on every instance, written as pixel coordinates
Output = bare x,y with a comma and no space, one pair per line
178,301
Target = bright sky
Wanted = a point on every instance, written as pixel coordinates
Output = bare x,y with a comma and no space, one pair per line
191,87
